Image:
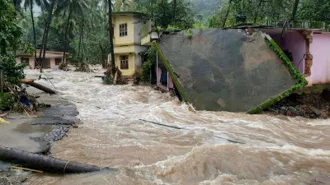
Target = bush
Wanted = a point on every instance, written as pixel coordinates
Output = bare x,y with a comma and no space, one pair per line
13,72
146,67
6,101
189,34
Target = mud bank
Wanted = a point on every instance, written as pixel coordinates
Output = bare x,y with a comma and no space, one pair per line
312,105
36,133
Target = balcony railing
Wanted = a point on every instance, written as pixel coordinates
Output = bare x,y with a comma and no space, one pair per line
302,24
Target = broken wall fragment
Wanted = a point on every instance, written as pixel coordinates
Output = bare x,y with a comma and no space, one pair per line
227,70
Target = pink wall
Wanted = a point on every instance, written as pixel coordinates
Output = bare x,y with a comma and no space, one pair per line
293,42
296,44
320,49
169,80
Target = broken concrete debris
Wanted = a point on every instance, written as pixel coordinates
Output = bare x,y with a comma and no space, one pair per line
228,70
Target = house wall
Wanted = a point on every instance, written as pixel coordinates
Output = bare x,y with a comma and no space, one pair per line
294,43
32,62
130,44
122,19
137,27
131,64
320,49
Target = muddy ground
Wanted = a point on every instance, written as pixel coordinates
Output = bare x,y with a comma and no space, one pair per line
308,105
35,133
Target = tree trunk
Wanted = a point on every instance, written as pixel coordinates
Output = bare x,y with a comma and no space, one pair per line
40,51
113,64
294,10
174,11
66,36
102,56
46,31
44,163
3,47
226,16
257,11
34,31
40,87
80,39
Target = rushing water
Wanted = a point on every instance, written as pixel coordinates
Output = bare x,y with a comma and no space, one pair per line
272,150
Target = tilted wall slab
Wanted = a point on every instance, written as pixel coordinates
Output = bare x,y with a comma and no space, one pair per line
227,70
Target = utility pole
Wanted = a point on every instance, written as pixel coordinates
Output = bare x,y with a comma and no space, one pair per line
113,64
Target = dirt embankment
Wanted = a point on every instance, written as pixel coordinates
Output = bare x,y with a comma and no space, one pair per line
308,105
35,133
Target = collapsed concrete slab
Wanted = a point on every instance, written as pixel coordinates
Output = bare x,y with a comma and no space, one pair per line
228,70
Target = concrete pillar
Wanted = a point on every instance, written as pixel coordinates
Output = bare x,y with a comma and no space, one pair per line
31,63
169,81
52,63
307,34
157,70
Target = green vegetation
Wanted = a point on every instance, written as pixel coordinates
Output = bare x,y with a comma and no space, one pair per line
205,9
80,27
10,40
146,69
189,33
6,101
275,13
147,65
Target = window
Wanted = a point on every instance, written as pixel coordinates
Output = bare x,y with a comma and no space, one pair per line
58,61
46,63
124,62
123,30
25,60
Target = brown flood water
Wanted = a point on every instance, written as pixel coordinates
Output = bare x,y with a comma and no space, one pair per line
276,150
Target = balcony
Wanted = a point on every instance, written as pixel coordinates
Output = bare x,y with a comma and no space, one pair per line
148,33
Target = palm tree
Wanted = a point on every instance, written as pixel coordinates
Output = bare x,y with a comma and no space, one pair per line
123,5
30,3
71,8
227,13
17,4
174,10
113,64
49,7
294,10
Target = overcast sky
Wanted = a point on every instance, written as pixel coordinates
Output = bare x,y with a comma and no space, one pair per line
36,9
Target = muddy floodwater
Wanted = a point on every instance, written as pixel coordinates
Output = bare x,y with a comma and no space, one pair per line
270,150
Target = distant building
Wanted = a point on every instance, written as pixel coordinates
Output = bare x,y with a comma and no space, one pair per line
128,50
52,59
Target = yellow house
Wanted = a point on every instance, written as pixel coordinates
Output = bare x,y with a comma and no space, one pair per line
127,41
